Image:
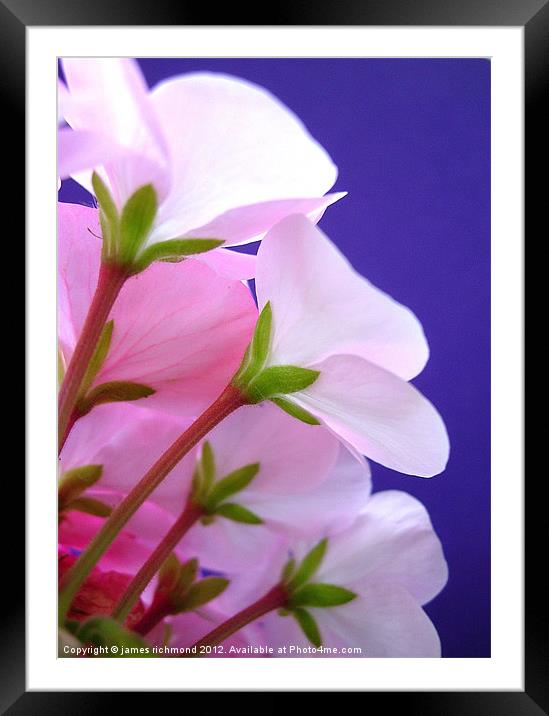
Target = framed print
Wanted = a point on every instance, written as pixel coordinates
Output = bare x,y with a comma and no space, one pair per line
275,297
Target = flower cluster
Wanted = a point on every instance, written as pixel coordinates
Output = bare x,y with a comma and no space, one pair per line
215,494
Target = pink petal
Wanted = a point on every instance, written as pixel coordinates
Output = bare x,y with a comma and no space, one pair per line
80,150
232,144
321,306
294,457
178,328
382,416
233,265
250,223
109,97
331,506
126,440
392,542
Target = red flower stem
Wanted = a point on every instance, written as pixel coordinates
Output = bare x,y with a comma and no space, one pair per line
110,281
274,599
159,609
229,400
184,522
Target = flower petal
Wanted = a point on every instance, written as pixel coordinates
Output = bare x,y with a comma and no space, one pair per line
109,97
382,416
250,223
322,306
178,328
392,542
232,144
233,265
331,506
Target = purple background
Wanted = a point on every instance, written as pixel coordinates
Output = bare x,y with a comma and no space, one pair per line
411,139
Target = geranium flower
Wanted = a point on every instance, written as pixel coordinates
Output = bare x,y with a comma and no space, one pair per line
303,482
225,158
331,347
178,329
384,568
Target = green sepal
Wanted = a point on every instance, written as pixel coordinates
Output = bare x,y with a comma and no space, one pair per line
108,216
258,350
60,366
279,380
308,626
136,223
203,592
295,411
308,566
288,570
231,484
174,250
104,631
73,482
114,392
175,579
237,513
98,358
90,506
321,595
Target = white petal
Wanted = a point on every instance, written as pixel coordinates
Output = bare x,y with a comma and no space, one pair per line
322,306
381,415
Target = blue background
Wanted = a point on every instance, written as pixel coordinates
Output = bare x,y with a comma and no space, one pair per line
411,139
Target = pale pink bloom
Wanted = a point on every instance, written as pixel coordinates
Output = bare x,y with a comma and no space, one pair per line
391,558
366,346
227,159
180,329
306,481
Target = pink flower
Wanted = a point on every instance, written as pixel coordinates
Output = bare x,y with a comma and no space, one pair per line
305,481
391,559
226,158
180,329
366,346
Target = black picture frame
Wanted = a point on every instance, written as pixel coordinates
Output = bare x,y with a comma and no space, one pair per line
533,16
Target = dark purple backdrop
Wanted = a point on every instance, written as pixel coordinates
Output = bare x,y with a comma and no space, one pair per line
411,139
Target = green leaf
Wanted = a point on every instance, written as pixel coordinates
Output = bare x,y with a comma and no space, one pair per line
237,513
73,482
203,592
98,358
308,625
321,595
187,575
114,392
104,631
231,484
90,506
168,574
279,380
295,411
175,250
136,222
309,565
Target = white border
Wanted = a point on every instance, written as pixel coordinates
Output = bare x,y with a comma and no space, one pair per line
503,671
